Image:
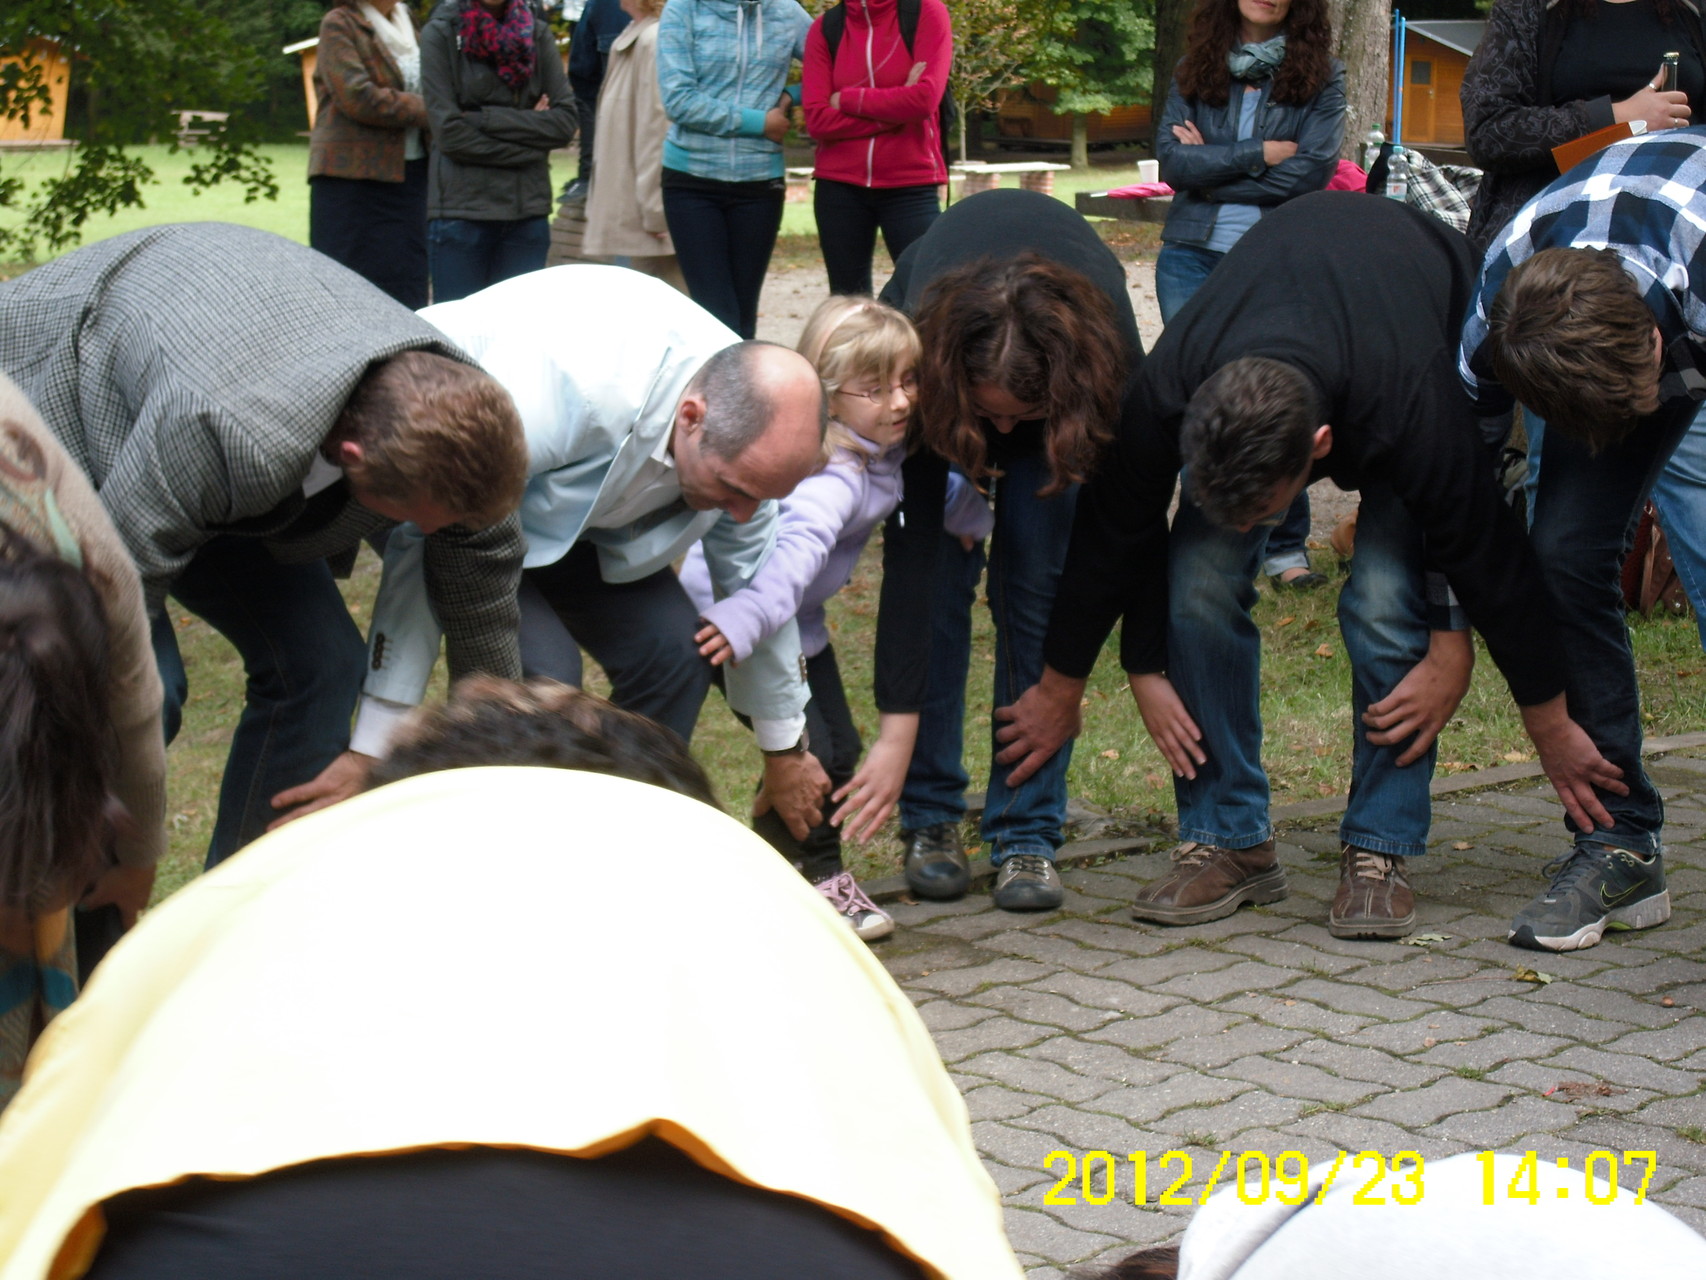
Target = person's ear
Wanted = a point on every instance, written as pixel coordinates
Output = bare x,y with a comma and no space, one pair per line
1658,348
349,454
1323,442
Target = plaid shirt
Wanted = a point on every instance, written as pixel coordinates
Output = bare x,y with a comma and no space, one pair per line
1643,198
193,371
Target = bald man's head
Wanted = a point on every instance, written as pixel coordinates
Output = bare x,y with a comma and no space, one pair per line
750,426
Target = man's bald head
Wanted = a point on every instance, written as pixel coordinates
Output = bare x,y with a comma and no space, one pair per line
750,426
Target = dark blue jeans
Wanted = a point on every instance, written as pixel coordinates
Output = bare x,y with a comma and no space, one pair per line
1214,661
1026,552
303,659
467,256
1586,507
723,240
1180,270
848,218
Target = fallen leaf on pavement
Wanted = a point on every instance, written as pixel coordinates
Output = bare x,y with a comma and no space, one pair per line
1531,975
1423,939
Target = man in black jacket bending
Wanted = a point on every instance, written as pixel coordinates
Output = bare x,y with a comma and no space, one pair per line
1322,347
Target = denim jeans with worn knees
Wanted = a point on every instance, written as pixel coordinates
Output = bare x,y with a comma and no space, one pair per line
1383,616
1026,552
1214,662
1583,517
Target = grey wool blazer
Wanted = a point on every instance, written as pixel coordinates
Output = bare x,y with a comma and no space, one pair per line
194,370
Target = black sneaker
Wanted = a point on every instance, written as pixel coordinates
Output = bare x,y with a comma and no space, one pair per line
936,866
1028,882
1594,888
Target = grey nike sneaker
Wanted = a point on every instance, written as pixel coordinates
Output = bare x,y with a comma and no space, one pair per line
1595,887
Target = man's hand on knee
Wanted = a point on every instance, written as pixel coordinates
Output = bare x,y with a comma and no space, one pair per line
1425,699
340,780
794,786
1044,719
1170,726
1573,763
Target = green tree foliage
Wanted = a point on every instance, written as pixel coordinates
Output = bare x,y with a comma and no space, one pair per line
1096,54
135,63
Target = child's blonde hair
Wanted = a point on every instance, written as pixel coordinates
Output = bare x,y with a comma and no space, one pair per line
849,337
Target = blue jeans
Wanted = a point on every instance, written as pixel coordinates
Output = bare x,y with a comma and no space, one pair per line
1680,496
1026,552
1582,519
466,256
1180,270
723,240
303,659
1214,661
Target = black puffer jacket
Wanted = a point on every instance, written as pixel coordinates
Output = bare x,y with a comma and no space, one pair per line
1510,122
491,149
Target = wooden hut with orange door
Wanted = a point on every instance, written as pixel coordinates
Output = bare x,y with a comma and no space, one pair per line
46,125
1435,55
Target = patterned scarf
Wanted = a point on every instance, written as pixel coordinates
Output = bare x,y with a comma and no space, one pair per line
1253,63
508,45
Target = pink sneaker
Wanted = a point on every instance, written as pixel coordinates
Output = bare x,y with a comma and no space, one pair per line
869,920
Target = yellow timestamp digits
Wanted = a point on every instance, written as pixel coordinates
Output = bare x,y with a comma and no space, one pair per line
1599,1177
1096,1176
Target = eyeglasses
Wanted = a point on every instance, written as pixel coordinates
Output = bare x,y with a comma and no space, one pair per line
880,395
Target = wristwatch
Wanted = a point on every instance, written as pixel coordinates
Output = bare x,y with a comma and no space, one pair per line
798,749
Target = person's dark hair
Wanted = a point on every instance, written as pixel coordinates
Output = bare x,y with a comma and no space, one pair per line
1571,337
488,721
1248,429
1039,331
1665,9
738,405
58,751
1215,32
1158,1262
434,427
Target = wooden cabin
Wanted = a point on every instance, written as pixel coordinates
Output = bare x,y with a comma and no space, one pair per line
1435,55
1027,115
46,127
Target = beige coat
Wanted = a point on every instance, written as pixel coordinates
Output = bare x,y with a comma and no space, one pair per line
625,206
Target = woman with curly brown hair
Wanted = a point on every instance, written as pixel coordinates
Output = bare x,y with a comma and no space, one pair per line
1255,116
1029,347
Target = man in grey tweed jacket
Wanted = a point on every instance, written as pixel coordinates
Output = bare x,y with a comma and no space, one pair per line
200,375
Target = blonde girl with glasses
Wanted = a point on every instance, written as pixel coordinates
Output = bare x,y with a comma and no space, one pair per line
867,357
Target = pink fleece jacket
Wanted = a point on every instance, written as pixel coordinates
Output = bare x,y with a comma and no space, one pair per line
885,133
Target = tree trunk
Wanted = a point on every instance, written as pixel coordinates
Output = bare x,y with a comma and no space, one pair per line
1080,140
1362,31
962,108
1172,18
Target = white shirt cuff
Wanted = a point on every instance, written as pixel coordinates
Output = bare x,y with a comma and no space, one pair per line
376,720
779,735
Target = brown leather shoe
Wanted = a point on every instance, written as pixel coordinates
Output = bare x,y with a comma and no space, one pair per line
1374,898
1209,882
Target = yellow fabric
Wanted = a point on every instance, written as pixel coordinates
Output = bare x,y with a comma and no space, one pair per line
507,957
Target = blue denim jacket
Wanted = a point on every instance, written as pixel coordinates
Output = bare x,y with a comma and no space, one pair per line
722,64
1223,170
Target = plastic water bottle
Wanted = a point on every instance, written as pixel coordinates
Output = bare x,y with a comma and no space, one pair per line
1371,147
1397,175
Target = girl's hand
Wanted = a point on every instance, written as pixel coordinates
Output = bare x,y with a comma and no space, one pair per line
713,644
1187,133
916,74
1169,724
835,101
870,796
1275,150
1667,110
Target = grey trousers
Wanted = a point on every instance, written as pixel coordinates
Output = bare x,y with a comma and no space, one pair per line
641,633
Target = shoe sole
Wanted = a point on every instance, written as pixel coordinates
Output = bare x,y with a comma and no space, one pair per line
1259,890
874,933
936,893
1051,903
1401,927
1645,914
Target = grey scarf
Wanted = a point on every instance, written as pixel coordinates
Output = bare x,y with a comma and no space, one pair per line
1253,63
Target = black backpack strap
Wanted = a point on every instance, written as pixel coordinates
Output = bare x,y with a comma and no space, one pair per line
907,12
834,27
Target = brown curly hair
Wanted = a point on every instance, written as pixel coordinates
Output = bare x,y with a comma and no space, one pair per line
1039,331
1215,32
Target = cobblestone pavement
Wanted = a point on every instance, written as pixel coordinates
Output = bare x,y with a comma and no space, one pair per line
1083,1030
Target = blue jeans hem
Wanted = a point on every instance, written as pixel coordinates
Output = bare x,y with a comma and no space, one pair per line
1391,848
1645,844
1243,841
1001,855
1284,561
914,819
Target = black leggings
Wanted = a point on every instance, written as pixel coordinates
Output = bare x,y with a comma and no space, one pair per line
848,218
